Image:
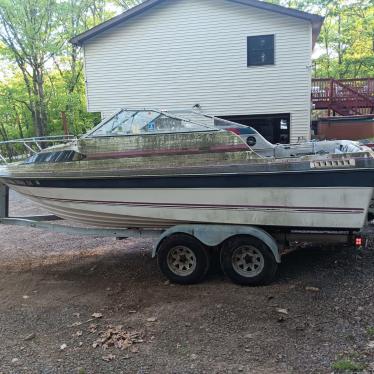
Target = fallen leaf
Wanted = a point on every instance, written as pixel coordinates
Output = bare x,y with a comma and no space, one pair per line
63,347
97,315
25,297
313,289
92,328
152,319
75,324
118,338
249,336
29,337
108,358
79,333
371,344
14,360
282,311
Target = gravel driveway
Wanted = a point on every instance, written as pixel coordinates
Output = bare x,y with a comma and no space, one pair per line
84,305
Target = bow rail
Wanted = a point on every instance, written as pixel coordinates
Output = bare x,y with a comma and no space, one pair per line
20,149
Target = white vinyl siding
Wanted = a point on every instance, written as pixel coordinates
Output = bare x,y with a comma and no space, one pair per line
186,52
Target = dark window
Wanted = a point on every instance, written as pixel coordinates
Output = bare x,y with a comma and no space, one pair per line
260,50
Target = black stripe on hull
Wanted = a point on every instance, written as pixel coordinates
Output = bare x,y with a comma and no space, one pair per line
311,178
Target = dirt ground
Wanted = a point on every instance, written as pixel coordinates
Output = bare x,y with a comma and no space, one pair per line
59,294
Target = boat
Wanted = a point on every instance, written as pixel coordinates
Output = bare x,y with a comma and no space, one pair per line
156,169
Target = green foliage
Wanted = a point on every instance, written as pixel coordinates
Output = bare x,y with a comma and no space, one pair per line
43,72
370,331
346,365
346,42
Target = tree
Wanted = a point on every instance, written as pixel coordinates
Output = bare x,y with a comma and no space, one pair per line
78,16
127,4
30,33
346,40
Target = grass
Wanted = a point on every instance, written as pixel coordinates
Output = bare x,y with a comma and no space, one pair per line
370,331
347,365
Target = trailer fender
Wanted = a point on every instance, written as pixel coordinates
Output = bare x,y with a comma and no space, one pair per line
213,235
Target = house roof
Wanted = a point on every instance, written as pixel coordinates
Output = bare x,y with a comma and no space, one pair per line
314,19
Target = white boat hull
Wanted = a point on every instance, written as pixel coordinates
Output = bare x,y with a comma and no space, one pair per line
308,207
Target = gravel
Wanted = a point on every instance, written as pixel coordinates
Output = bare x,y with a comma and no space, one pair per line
60,294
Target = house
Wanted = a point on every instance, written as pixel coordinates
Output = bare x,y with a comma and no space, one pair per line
244,60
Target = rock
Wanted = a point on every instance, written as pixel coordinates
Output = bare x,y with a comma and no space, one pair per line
63,346
97,315
241,368
25,297
152,319
167,283
15,360
194,356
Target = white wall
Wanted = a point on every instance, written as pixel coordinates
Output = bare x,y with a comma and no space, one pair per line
184,52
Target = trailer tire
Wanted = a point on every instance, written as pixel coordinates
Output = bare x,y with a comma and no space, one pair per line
183,259
248,261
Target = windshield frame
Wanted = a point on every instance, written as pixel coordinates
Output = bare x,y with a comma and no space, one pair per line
90,134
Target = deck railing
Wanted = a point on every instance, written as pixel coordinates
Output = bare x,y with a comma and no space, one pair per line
20,149
344,96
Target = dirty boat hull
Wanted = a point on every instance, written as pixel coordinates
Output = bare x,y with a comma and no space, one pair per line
309,207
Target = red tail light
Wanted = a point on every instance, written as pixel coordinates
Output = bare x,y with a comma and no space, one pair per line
360,242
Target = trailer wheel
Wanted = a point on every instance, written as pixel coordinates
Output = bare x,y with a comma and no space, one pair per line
183,259
248,261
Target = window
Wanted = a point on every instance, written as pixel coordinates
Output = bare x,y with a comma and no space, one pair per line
260,50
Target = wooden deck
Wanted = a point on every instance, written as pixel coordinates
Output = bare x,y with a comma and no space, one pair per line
344,96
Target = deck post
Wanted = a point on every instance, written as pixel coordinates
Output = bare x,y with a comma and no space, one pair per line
4,201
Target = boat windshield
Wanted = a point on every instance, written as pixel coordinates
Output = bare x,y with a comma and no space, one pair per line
132,122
